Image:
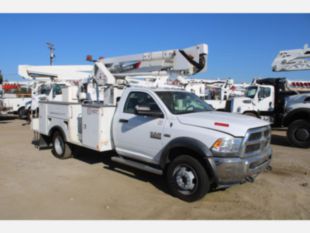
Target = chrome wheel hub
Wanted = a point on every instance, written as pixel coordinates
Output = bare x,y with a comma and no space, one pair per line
185,178
58,144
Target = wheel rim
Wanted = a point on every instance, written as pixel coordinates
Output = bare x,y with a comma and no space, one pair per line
185,179
302,134
58,144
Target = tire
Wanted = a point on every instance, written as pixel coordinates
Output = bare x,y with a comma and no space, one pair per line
298,133
252,114
21,113
187,179
61,149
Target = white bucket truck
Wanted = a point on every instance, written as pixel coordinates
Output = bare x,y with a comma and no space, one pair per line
11,102
161,129
48,82
215,92
281,102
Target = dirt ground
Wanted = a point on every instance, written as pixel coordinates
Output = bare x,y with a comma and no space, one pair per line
36,185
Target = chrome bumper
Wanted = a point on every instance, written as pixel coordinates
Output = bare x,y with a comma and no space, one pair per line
230,171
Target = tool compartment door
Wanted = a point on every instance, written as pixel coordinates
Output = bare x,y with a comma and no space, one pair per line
96,126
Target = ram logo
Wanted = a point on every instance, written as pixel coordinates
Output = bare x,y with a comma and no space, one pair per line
155,135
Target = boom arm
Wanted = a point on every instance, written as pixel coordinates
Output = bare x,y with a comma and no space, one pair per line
178,63
292,60
55,72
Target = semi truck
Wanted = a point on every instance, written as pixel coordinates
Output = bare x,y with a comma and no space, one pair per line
160,129
281,102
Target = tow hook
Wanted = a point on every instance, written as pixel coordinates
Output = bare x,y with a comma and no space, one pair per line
250,179
268,168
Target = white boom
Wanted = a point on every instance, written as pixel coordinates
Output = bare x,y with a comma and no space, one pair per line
177,62
292,60
64,72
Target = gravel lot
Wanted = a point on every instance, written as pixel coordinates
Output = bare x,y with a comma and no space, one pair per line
36,185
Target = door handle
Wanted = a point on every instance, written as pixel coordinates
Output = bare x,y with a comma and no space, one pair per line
123,121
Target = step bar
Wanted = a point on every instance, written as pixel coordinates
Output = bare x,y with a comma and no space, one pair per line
137,165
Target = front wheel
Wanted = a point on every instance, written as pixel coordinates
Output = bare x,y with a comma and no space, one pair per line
61,149
298,133
187,178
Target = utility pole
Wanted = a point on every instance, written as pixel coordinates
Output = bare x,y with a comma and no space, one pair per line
1,77
51,47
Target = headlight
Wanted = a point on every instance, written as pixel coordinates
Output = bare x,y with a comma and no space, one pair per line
227,146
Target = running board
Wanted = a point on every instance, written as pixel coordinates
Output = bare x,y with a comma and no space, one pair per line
137,165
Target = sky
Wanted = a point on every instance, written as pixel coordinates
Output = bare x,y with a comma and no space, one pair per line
241,46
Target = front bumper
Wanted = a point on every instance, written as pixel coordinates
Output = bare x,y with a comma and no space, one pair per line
5,110
229,171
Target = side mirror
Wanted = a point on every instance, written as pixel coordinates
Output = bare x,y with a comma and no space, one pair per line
146,111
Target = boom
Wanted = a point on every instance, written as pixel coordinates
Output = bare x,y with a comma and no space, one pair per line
292,60
179,63
63,72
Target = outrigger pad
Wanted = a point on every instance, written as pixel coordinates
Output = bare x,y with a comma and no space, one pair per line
41,141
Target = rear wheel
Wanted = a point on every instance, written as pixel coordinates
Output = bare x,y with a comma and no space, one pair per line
61,149
298,133
21,113
187,178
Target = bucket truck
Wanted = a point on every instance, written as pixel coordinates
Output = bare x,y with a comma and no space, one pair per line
11,101
158,128
47,82
281,102
215,92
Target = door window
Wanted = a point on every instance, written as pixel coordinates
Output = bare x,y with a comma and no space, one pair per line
140,99
264,92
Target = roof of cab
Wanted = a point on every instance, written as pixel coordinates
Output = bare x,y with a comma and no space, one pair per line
168,88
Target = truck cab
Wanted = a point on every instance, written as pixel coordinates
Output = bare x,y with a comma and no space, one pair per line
177,133
281,102
259,101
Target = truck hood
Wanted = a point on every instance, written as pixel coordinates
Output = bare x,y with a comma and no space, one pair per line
230,123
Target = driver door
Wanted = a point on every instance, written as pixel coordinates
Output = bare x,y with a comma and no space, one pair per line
265,99
139,136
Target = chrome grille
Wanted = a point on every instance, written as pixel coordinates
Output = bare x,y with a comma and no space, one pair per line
256,141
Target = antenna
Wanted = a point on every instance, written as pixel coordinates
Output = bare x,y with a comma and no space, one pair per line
51,47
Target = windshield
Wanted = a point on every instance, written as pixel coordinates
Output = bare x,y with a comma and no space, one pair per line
250,92
183,102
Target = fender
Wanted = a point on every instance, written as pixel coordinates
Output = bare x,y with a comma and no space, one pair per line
189,143
298,113
57,128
